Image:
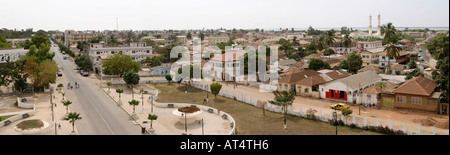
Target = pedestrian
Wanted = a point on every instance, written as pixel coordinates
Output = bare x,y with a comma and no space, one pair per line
204,100
59,125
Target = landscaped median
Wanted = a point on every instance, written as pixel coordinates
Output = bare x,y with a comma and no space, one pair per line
208,121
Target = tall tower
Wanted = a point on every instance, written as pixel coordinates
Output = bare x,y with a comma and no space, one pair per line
370,25
379,25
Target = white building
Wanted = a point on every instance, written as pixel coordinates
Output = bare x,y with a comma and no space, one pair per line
13,54
224,66
137,51
346,89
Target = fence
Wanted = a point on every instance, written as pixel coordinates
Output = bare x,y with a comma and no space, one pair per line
326,116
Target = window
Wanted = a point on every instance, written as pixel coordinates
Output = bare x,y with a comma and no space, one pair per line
416,100
281,86
401,99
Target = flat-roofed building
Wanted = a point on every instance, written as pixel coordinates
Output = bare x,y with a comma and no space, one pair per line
13,54
137,51
216,40
72,37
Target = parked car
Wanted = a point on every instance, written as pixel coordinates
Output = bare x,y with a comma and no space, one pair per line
59,73
81,72
65,58
86,73
340,106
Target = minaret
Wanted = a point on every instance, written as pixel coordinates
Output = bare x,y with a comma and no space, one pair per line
370,25
379,25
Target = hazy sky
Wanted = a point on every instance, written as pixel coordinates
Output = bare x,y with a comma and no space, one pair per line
197,14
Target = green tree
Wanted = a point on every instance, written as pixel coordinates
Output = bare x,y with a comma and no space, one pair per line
131,79
439,47
389,32
202,36
67,103
329,39
392,51
412,63
72,117
168,78
329,52
119,91
353,63
80,45
189,35
215,88
283,99
84,62
40,38
317,64
320,43
152,117
41,74
347,42
381,84
119,64
134,103
3,43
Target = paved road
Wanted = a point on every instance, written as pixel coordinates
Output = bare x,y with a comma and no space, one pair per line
100,115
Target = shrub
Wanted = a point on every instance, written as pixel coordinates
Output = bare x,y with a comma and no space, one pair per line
347,112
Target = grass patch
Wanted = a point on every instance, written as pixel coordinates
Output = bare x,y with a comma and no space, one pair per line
249,119
5,117
30,124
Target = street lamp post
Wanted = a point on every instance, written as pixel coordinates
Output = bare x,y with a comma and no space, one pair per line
185,122
203,131
152,102
335,117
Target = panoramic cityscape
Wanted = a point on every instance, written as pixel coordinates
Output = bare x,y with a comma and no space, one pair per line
224,68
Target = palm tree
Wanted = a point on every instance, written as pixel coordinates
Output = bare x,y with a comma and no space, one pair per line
72,117
120,91
329,39
134,103
109,86
67,103
381,84
320,43
390,38
152,118
347,42
389,33
392,51
283,99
